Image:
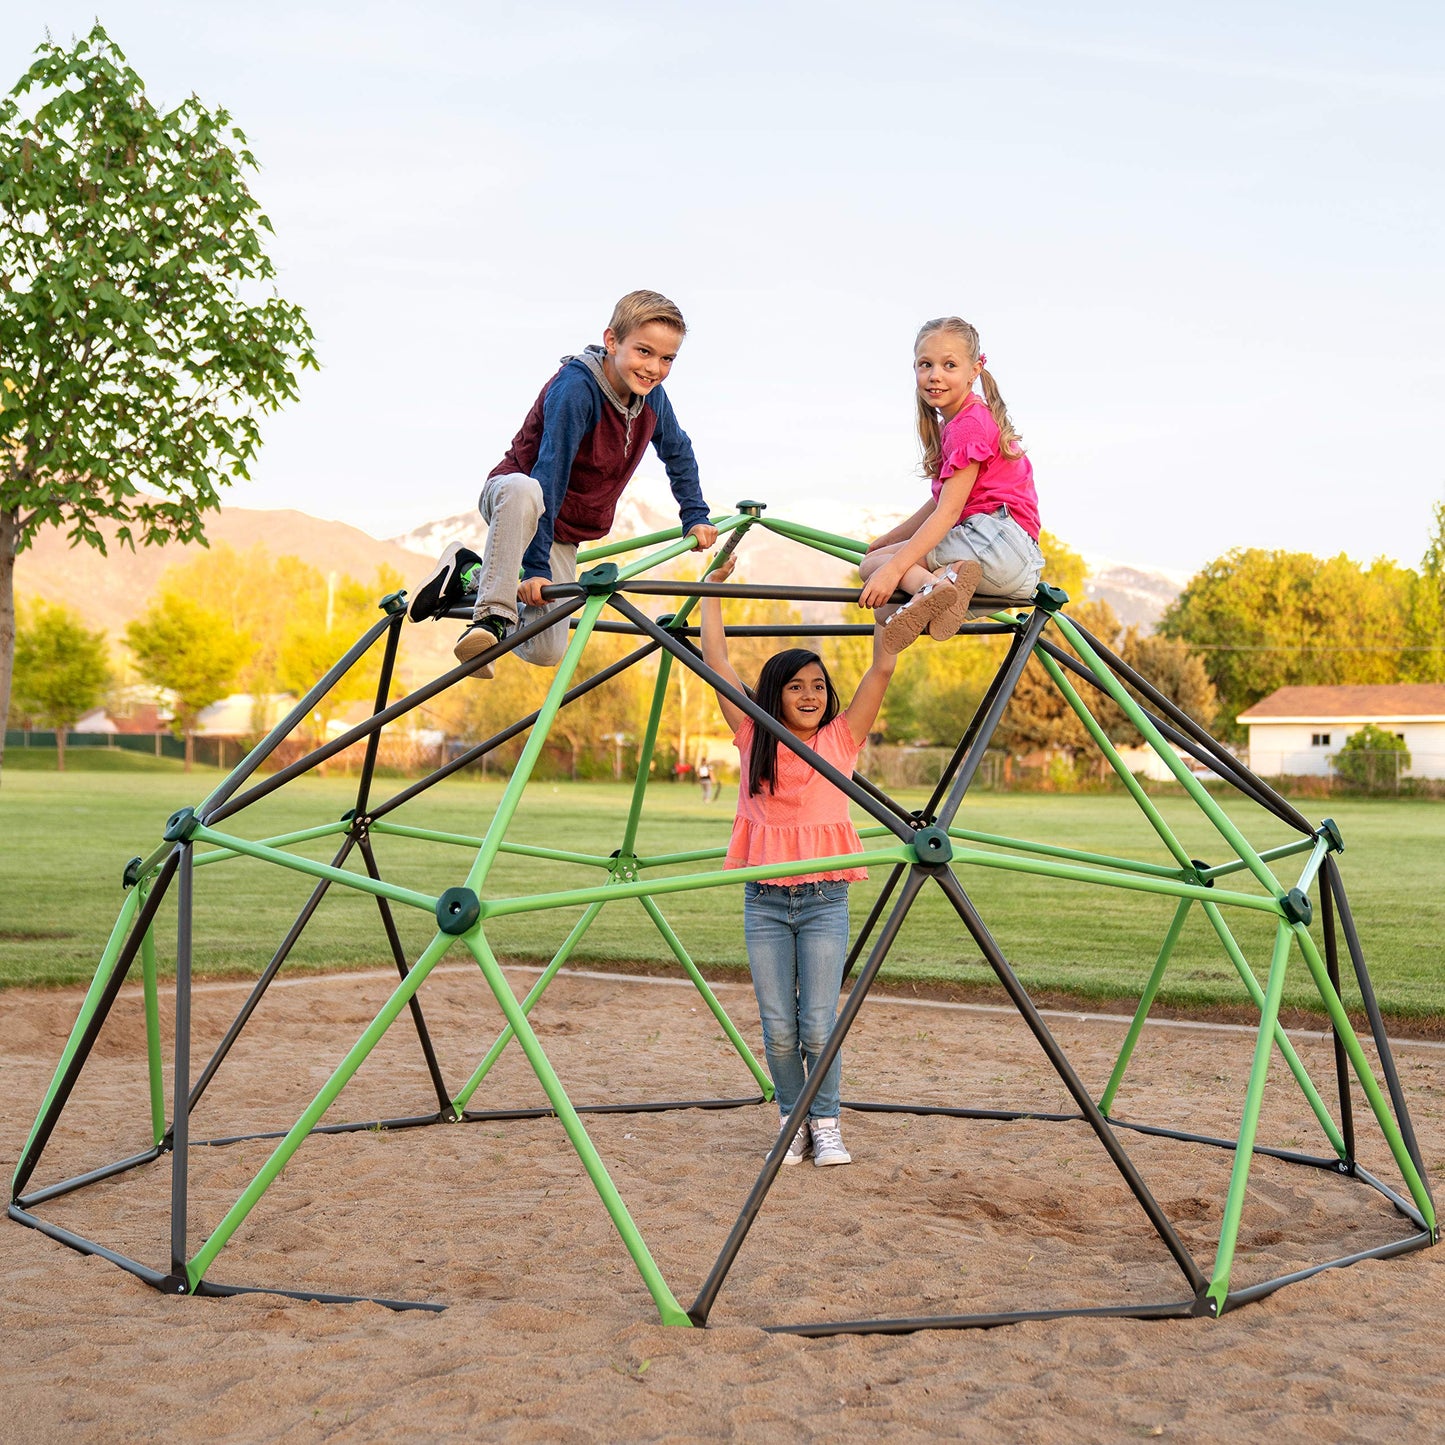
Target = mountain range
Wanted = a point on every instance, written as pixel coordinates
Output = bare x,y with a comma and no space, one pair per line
110,590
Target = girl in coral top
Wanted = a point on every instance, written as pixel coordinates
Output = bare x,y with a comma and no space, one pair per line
796,927
981,525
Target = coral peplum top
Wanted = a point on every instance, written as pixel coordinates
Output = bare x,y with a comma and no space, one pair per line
806,818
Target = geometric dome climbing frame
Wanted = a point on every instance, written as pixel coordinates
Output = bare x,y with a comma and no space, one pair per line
926,848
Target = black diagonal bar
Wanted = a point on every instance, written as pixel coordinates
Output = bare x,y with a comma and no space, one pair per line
1227,767
741,700
181,1094
1377,1024
263,750
1281,806
707,1295
383,688
258,989
1008,678
953,891
871,922
393,938
480,750
1342,1062
397,709
946,777
144,918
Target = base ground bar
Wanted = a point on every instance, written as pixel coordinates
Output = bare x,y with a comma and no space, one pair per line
223,1291
94,1176
1183,1310
1254,1292
472,1116
79,1242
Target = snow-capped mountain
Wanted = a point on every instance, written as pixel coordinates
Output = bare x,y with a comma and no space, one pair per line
1137,594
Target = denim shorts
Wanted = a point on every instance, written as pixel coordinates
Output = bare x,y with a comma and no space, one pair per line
1011,561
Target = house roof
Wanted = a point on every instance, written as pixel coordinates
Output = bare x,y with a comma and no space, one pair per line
1393,701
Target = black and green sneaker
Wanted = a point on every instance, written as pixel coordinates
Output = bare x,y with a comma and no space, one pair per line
454,575
484,633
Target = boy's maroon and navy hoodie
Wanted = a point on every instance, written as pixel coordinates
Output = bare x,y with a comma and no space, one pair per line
582,442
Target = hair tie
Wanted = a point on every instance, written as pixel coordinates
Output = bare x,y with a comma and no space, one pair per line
983,358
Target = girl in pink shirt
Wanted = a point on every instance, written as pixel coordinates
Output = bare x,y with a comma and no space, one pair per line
982,524
796,927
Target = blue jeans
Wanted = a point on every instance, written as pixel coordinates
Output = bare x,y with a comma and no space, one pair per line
797,941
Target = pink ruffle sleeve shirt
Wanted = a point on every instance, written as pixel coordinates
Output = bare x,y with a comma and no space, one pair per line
972,436
807,817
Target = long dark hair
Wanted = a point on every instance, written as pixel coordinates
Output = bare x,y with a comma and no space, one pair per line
778,671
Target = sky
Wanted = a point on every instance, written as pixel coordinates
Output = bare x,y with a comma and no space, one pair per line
1202,243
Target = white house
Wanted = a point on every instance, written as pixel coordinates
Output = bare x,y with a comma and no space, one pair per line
1297,730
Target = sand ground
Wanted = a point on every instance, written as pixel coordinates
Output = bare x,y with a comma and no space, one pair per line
549,1333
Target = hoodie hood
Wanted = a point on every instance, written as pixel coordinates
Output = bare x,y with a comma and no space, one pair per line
591,357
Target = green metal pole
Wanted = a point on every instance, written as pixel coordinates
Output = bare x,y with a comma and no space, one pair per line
710,998
645,754
1136,790
201,1261
1191,785
1345,1030
1296,1064
468,840
512,796
153,1027
814,537
1249,1123
668,1308
282,840
537,990
343,876
128,910
1146,1002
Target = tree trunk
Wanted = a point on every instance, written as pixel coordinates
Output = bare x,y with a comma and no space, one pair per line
9,527
60,750
190,749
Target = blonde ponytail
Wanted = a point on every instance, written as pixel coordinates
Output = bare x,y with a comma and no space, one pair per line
1010,444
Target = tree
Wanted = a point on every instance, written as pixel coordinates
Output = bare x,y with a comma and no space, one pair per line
1267,619
191,651
1427,607
61,671
136,342
1372,758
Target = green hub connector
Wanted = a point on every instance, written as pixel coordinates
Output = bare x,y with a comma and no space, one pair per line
932,846
458,910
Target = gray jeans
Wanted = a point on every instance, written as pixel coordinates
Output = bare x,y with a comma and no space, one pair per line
511,506
1011,561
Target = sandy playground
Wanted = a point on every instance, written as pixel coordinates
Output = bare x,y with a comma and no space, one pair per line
550,1335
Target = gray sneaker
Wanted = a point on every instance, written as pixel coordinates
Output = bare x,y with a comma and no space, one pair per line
801,1146
828,1143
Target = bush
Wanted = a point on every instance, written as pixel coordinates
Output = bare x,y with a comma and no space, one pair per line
1372,759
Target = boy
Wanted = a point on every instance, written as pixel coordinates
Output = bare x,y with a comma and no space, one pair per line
560,480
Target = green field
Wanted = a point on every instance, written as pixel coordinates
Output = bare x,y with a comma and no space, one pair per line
67,839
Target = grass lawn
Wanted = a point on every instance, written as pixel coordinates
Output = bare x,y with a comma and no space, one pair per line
67,839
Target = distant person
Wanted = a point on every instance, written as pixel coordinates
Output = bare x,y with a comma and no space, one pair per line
982,524
796,927
706,779
560,481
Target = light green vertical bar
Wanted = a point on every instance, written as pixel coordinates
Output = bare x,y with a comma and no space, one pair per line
153,1027
512,796
1146,1001
668,1308
1346,1031
644,756
201,1261
710,998
537,990
1249,1122
1296,1064
103,970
